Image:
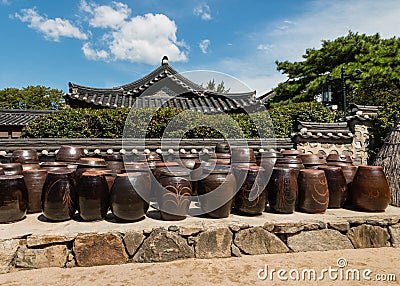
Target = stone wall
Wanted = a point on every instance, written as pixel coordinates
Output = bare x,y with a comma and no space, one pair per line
202,238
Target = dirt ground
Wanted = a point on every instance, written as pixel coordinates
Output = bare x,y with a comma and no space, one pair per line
331,268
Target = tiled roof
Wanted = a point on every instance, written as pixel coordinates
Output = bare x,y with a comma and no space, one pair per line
323,131
19,117
162,87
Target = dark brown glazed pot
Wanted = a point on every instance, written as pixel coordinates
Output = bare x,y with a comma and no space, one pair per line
50,166
251,196
11,169
312,161
222,148
32,166
93,196
188,160
197,174
369,190
59,195
223,158
13,198
313,196
339,160
114,163
242,155
24,157
291,153
34,181
69,153
287,162
130,195
349,172
267,158
174,198
110,178
90,164
282,190
337,186
216,191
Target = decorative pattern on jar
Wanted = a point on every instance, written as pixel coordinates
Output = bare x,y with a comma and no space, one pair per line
13,198
282,190
369,190
313,196
174,198
216,191
59,195
251,196
93,196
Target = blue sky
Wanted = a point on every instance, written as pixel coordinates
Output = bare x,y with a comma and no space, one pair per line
110,43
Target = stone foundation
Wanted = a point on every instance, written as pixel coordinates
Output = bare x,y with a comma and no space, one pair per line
35,243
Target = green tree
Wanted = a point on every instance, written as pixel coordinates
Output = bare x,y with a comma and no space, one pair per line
377,58
31,97
211,85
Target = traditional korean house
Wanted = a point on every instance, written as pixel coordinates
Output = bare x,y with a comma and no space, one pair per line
163,87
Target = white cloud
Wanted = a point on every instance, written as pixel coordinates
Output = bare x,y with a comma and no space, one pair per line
106,16
52,29
263,47
203,11
93,54
5,2
204,45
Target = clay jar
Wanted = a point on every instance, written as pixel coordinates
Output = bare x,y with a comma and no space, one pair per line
337,186
243,155
288,162
50,166
69,153
290,153
312,161
188,160
282,190
11,169
369,190
222,159
313,196
338,160
24,157
114,163
174,197
93,196
197,174
90,164
222,147
59,195
13,198
34,181
152,158
251,196
129,196
216,191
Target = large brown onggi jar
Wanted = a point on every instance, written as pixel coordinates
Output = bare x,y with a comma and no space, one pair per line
59,195
174,197
216,191
369,190
251,196
129,196
282,190
25,156
313,196
242,155
34,181
68,153
337,186
13,198
93,196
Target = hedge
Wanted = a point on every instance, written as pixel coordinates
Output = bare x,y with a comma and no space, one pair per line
173,122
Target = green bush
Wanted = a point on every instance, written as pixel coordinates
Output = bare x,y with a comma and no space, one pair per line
152,123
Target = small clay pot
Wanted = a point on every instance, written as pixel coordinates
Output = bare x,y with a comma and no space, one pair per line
24,156
369,190
34,181
313,196
337,186
59,195
93,196
174,198
13,198
129,196
69,153
216,191
114,163
282,190
11,169
243,155
251,196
